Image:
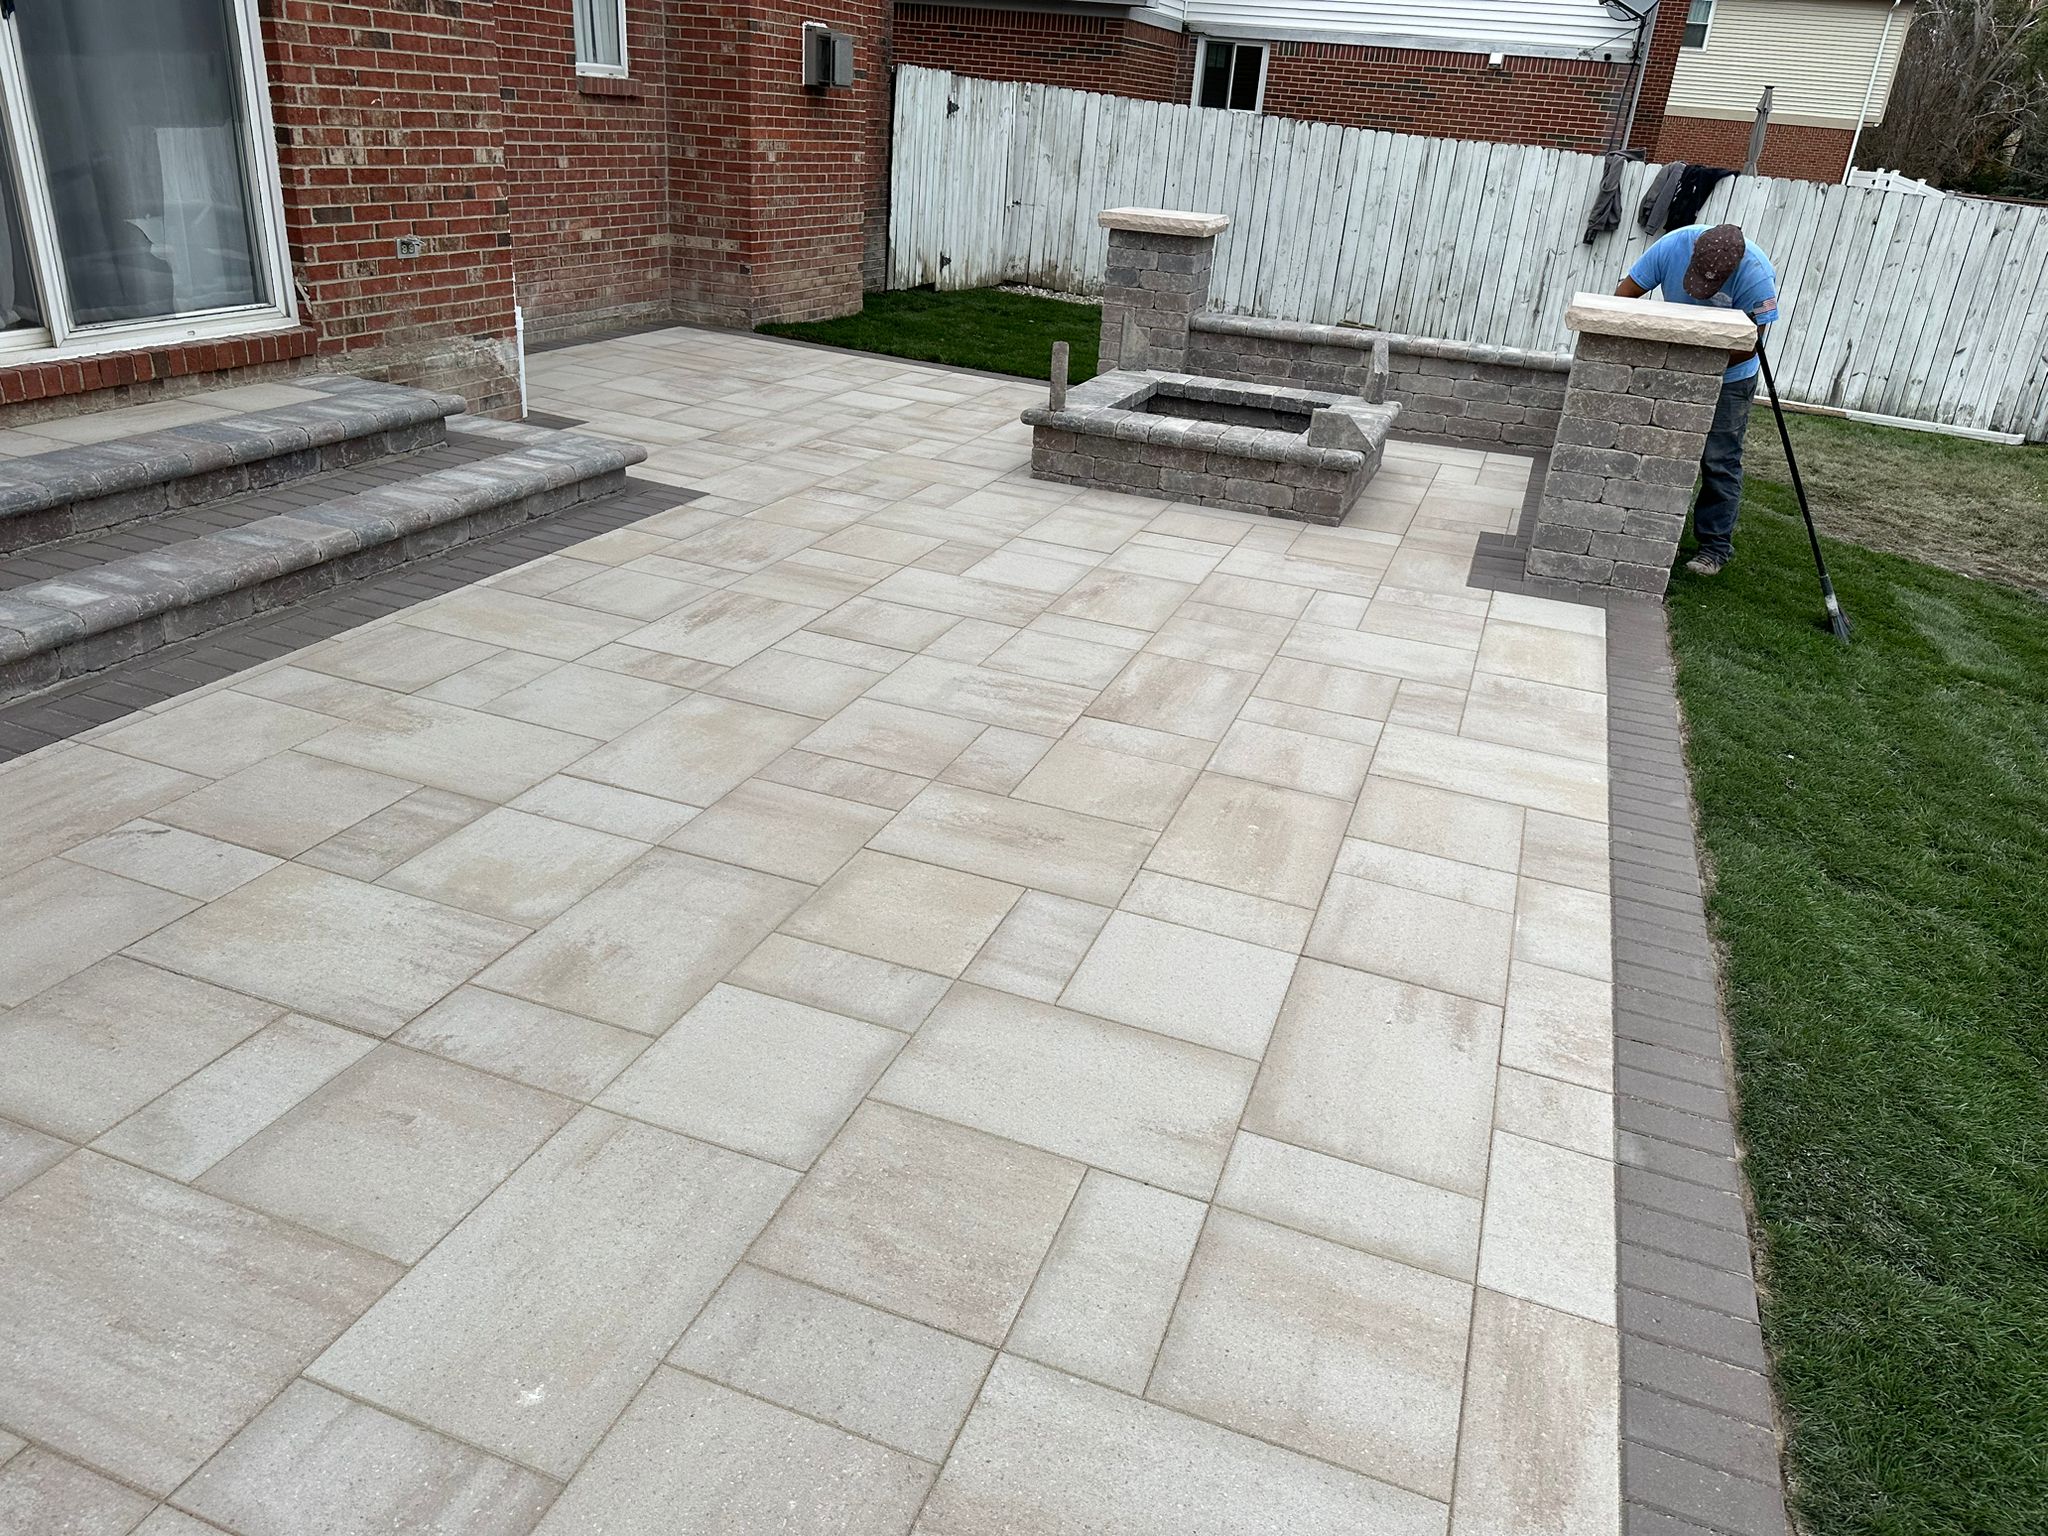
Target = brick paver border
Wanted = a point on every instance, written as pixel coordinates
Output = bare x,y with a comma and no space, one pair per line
1700,1442
61,713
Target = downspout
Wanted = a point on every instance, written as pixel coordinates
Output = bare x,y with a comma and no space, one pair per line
1869,91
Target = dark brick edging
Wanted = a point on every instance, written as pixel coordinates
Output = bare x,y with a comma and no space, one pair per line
1699,1431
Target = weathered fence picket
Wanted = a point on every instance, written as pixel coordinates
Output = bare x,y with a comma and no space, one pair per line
1935,309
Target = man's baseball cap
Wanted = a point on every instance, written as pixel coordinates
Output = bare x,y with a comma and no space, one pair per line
1715,256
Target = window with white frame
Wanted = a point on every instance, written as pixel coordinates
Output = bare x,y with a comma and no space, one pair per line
1230,74
138,195
600,37
1699,19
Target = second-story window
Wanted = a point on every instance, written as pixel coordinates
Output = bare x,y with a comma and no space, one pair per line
1230,75
1697,20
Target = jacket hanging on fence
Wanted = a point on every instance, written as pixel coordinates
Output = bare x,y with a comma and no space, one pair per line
1691,196
1656,206
1606,214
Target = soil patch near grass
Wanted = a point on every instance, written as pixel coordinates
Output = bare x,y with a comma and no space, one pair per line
1978,508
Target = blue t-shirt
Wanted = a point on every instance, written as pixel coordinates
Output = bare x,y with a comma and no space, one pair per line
1753,289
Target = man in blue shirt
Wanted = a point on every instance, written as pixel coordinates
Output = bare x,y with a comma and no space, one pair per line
1720,268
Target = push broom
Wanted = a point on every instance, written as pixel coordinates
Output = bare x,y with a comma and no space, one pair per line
1837,620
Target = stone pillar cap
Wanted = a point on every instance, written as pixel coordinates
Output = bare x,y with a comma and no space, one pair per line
1163,221
1688,325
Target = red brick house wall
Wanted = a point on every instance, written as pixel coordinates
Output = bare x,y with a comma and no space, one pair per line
1808,154
388,123
707,185
1665,41
586,160
773,188
1081,53
1563,103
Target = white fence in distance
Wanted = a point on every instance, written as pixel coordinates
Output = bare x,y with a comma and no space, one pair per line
1932,308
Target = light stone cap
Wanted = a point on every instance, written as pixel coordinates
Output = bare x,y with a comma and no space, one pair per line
1689,325
1163,221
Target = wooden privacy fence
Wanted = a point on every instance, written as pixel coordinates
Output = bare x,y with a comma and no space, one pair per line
1930,308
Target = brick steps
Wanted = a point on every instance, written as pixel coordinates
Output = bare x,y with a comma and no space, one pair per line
68,492
64,627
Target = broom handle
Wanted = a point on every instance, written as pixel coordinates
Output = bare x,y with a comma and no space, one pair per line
1792,462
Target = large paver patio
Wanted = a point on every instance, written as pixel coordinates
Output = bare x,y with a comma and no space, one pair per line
893,995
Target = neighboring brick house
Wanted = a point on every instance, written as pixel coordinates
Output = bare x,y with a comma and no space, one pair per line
196,187
1572,74
1565,73
1830,63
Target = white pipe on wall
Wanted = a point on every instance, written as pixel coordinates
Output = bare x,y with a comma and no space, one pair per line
1884,41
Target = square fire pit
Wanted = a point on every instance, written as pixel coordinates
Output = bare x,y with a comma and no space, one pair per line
1293,453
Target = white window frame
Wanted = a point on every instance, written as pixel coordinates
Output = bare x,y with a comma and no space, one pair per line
1202,64
1706,36
59,340
618,71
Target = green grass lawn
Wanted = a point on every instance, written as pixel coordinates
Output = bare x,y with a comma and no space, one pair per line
1877,824
976,328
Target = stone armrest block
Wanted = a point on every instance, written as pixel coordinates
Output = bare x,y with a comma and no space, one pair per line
1686,325
1358,339
1357,425
45,615
354,408
1164,221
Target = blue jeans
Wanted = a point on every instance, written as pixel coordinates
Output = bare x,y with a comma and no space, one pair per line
1720,498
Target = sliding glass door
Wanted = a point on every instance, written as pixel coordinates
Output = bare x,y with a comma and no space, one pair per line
140,201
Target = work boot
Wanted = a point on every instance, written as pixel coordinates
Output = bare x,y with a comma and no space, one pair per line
1706,564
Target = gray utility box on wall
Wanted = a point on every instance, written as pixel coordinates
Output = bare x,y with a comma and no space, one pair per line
828,57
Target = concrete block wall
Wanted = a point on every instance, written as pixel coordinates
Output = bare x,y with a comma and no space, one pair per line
1316,486
1493,396
1636,417
1158,283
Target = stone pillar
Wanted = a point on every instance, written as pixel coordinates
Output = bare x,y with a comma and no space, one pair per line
1637,409
1158,279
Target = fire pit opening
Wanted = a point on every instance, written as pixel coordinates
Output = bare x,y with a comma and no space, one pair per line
1169,401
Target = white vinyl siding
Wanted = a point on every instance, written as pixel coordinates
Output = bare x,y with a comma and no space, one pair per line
1567,27
1817,53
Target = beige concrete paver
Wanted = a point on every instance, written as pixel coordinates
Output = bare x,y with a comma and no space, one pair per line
184,1132
1321,1348
924,1218
693,1455
41,1491
761,1075
1195,986
97,1047
529,1328
1107,1289
391,1152
1127,1100
147,1322
1045,1451
1096,1013
879,1376
640,949
314,1461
